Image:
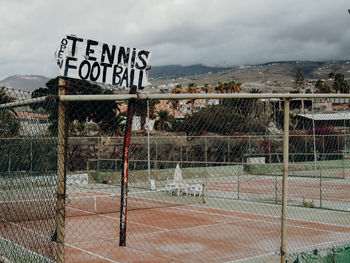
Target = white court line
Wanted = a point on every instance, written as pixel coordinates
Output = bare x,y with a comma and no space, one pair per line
274,223
220,223
91,253
110,217
255,257
31,230
25,249
247,219
230,216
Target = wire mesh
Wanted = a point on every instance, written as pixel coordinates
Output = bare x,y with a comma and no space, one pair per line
28,164
204,178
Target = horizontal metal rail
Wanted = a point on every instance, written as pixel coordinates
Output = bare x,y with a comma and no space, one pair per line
22,103
201,96
116,97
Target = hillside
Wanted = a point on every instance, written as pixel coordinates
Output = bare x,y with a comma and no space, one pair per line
278,76
177,71
273,76
24,82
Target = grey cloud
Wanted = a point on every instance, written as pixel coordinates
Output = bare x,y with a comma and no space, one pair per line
221,32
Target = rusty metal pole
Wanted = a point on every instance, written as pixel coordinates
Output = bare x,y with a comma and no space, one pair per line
61,171
125,168
284,180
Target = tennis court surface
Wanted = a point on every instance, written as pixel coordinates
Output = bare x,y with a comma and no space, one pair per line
170,231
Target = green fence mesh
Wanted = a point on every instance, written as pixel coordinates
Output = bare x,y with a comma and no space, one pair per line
28,182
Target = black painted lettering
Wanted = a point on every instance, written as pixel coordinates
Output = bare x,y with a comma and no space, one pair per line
64,42
75,40
125,78
60,63
142,56
132,76
68,65
110,53
104,71
123,56
87,65
117,70
95,71
89,49
140,80
133,56
60,52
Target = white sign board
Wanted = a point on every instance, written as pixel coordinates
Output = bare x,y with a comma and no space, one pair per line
109,64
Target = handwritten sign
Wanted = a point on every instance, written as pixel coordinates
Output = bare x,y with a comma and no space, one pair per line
109,64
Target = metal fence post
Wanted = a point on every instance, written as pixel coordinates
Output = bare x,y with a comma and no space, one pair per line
61,169
284,180
124,181
148,148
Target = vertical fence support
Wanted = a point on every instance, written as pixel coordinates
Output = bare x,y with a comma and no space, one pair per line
61,169
98,168
31,156
284,180
125,168
9,164
148,149
206,151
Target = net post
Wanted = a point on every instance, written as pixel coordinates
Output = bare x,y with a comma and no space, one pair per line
125,168
61,170
284,179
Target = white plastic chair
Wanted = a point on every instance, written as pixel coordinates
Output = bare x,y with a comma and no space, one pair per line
197,190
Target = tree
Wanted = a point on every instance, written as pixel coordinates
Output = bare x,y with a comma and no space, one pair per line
321,87
177,90
104,113
227,118
141,109
228,87
4,97
254,90
299,81
233,87
192,88
219,87
9,123
206,88
340,85
164,120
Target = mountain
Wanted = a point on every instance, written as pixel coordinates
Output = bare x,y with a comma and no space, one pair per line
26,83
177,71
273,76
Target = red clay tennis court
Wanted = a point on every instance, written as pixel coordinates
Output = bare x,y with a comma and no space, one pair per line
164,231
334,191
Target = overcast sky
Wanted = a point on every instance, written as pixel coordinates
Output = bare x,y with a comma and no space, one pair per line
221,32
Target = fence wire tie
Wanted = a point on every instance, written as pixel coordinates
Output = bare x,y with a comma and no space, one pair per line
63,196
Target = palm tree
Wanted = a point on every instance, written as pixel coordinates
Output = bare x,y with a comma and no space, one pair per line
192,88
321,87
163,121
235,87
254,90
177,90
141,109
206,88
219,88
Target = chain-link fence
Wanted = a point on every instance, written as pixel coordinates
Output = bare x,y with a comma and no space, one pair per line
208,178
